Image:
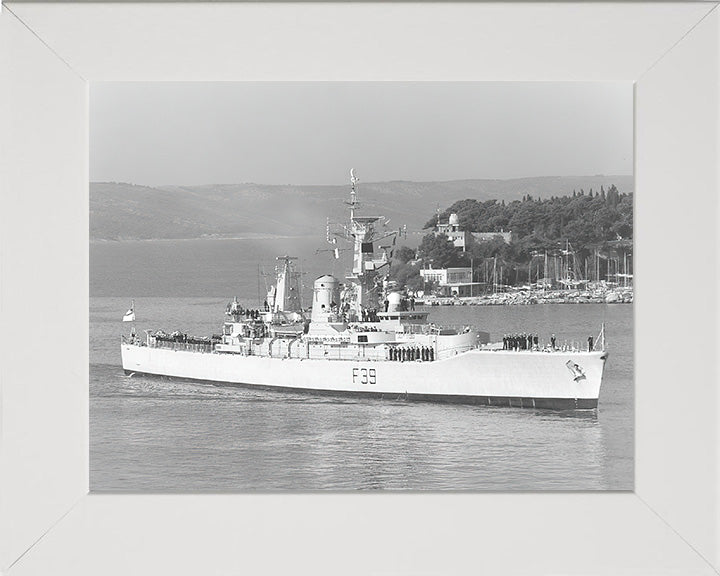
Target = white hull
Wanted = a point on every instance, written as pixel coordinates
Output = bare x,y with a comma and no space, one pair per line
515,378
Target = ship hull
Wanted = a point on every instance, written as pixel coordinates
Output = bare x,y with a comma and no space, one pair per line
495,378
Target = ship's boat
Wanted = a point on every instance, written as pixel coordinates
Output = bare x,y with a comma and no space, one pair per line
361,337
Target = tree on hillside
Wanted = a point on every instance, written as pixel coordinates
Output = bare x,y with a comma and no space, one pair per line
590,222
407,275
495,247
441,252
403,254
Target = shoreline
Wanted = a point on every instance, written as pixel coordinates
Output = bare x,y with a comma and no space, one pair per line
245,237
621,296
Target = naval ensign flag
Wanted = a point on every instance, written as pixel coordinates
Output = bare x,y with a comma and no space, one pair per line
130,314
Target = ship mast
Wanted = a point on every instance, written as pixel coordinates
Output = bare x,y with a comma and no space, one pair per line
371,261
353,193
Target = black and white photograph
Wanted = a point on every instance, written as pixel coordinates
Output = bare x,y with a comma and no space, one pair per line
343,286
359,287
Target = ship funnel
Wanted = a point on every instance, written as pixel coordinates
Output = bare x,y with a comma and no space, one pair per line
326,298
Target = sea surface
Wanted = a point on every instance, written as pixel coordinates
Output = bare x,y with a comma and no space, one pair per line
160,435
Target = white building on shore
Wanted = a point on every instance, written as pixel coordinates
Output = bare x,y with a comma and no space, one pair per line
452,281
451,230
463,238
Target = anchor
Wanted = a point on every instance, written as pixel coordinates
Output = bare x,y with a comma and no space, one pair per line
575,370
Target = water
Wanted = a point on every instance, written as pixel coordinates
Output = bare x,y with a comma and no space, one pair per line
150,434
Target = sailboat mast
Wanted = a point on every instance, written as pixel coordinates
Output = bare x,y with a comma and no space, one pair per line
597,265
495,275
625,269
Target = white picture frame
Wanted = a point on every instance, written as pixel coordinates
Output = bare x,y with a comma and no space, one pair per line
49,523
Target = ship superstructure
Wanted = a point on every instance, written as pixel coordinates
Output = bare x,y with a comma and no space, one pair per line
361,337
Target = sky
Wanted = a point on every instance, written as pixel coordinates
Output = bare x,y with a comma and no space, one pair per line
166,133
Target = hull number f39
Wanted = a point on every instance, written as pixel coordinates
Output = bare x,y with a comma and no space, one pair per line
363,376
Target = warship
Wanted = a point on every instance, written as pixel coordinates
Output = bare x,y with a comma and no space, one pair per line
363,337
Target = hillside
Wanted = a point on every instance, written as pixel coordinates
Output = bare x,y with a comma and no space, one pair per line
121,211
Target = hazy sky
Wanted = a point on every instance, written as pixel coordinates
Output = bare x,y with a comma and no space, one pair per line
313,133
